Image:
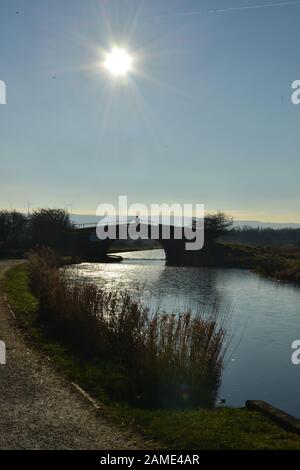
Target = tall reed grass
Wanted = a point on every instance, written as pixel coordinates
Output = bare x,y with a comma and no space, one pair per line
168,360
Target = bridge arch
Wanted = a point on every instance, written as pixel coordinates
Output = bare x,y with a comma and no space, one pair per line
89,247
136,246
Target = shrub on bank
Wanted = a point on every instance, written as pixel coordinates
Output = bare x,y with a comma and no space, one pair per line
269,264
168,360
290,273
281,264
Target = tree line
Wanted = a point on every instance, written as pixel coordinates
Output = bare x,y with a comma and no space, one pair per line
265,236
44,227
52,227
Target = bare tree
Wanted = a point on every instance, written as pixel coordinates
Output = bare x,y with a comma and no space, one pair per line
216,226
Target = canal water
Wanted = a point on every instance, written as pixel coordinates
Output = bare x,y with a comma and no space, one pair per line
263,319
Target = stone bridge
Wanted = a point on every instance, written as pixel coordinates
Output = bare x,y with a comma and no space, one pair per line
173,240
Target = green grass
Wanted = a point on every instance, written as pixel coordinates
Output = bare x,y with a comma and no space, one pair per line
223,428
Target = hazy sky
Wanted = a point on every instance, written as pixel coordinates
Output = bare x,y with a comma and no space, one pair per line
205,117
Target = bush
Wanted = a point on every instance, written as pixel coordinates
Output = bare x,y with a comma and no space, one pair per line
270,264
169,360
50,227
13,233
290,273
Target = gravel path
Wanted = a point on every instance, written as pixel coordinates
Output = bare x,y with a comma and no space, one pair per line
39,409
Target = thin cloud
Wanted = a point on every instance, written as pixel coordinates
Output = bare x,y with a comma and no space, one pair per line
230,9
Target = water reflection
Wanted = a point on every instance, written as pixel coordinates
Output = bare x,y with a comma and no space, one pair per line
265,319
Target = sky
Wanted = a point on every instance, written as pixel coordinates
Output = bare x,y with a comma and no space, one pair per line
204,117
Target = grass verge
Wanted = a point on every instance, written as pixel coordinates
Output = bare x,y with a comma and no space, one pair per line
222,428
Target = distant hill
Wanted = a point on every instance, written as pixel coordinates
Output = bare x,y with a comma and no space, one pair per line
256,223
86,218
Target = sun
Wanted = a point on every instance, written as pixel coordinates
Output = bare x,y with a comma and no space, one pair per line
118,62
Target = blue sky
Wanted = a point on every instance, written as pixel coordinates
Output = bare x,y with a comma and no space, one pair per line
205,117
